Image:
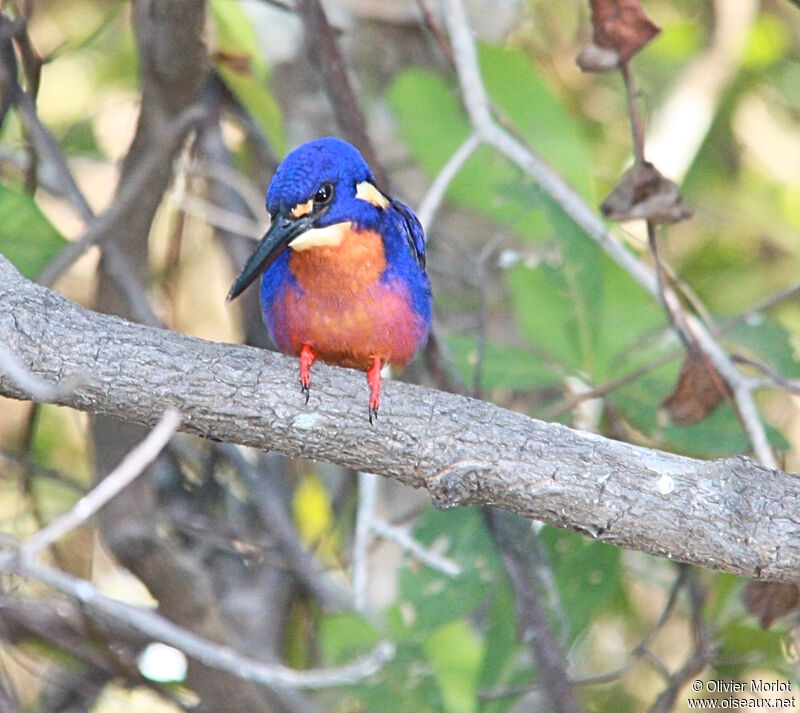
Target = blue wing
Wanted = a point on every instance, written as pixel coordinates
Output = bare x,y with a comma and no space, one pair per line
412,229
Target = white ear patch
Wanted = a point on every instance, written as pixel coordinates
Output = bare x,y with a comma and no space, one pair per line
332,235
367,192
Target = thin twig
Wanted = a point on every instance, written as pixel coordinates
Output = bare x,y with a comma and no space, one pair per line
97,228
130,468
435,27
531,619
559,409
775,378
236,181
671,306
218,217
637,126
757,309
478,108
430,559
119,270
324,50
701,654
640,651
13,460
642,648
669,300
211,653
267,501
367,500
433,198
38,389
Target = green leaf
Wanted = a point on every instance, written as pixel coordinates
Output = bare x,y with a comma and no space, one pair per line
503,366
342,637
543,307
488,183
404,685
503,666
27,237
235,37
768,341
520,93
429,598
743,644
769,41
629,319
588,576
80,139
416,96
557,306
455,652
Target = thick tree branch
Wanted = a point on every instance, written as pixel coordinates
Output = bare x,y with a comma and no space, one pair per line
732,514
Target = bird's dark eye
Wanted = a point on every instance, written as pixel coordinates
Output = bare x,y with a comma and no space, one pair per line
323,194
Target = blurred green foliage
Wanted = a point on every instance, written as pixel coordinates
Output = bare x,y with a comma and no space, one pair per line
27,237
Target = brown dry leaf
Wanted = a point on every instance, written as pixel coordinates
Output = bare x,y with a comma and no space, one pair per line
622,26
769,601
645,194
700,389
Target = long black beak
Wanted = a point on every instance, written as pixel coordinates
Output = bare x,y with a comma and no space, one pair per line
282,231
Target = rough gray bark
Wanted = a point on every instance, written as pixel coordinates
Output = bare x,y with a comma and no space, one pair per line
729,514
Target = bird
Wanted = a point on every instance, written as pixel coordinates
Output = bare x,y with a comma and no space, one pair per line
342,267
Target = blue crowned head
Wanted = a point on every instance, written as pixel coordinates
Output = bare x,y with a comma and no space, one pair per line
326,170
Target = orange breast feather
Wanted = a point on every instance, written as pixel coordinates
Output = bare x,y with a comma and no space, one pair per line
342,309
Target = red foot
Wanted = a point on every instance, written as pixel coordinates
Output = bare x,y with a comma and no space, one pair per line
374,381
307,357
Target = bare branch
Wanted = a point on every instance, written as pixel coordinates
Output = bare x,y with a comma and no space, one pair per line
268,503
461,450
430,559
513,540
757,309
98,229
324,51
131,467
216,216
209,652
477,104
367,499
699,657
251,196
433,198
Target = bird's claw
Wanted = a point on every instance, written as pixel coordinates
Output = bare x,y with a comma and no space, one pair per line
374,381
307,358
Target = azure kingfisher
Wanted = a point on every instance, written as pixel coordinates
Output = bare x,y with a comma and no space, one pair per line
342,266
